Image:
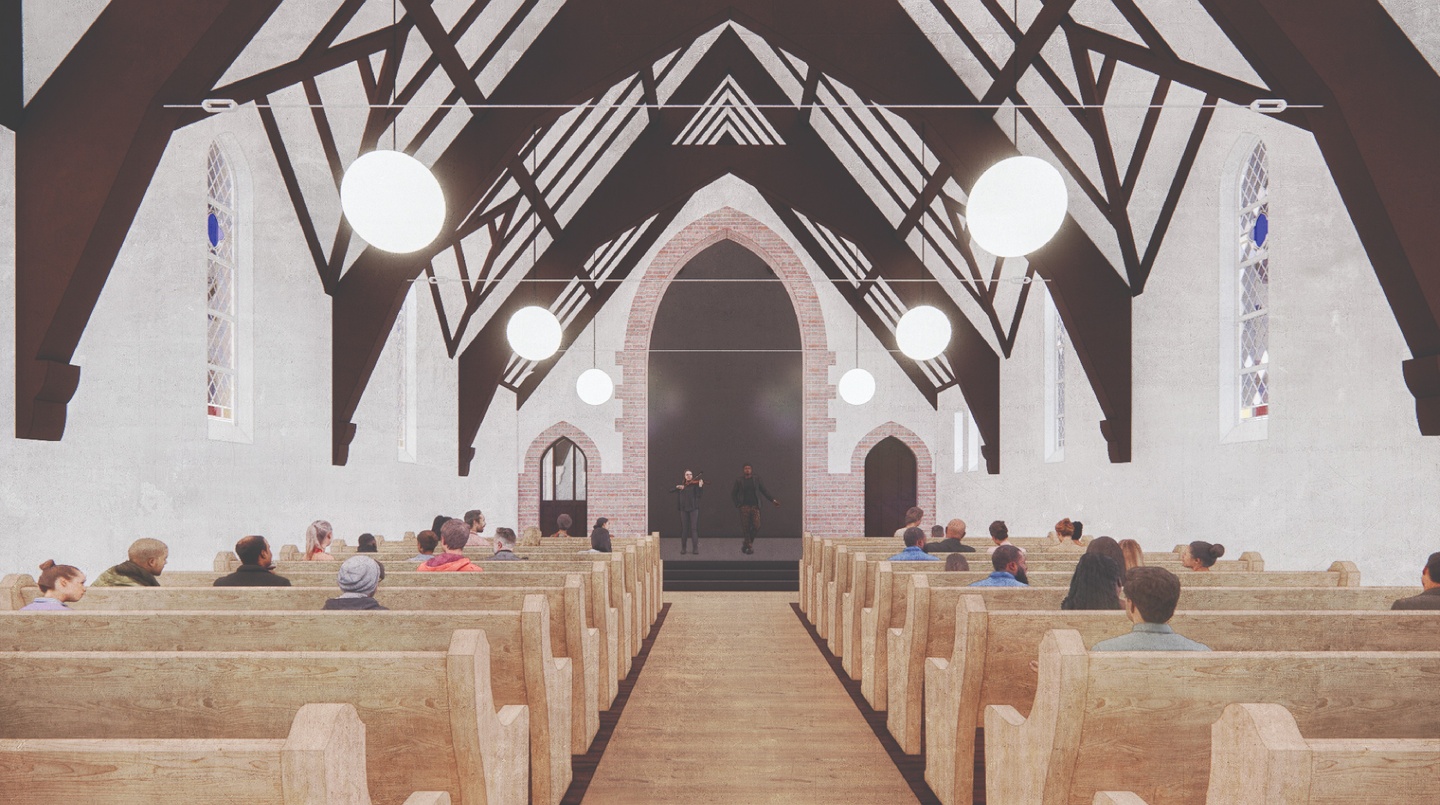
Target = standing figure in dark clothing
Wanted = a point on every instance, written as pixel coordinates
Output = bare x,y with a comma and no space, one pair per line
687,499
746,494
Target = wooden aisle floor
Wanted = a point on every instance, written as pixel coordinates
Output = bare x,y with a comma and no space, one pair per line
735,705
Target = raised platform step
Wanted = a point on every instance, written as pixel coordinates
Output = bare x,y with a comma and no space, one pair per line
698,574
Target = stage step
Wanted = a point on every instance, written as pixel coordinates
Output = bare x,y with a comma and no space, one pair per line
721,575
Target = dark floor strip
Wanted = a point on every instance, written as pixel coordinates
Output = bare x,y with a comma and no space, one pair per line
911,767
583,766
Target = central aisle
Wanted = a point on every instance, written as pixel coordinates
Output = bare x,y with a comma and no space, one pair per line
736,705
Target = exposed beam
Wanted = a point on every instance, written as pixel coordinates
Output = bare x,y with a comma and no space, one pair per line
435,35
1046,22
1377,131
91,140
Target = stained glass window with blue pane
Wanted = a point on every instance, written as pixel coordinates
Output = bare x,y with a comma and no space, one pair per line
1253,266
220,392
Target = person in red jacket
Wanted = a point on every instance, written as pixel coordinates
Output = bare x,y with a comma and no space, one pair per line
453,535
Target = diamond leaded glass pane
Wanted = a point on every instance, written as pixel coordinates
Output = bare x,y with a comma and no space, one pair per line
1254,342
1256,185
1255,287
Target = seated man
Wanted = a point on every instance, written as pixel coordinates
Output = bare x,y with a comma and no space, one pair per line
914,548
426,541
256,568
505,546
359,578
1151,595
954,532
1009,564
454,534
475,519
913,515
1430,583
564,523
147,560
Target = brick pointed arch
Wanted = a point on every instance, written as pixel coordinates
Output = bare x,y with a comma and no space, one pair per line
634,360
602,492
850,489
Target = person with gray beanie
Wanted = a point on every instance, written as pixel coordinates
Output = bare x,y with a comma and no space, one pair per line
358,578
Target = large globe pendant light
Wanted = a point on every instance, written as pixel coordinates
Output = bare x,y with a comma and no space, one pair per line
392,201
594,386
923,333
1016,206
857,386
534,333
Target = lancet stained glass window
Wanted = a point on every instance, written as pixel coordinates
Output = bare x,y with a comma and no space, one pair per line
220,268
1253,265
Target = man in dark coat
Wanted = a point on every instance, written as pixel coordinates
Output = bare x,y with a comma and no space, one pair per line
954,532
256,568
687,500
1430,581
746,494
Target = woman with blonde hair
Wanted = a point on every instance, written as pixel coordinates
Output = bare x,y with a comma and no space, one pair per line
317,542
1134,557
531,537
59,585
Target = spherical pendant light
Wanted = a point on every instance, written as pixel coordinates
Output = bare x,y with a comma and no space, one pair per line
594,386
857,386
923,333
1016,206
534,333
392,201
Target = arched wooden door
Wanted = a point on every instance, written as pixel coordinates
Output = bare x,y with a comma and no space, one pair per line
562,487
891,486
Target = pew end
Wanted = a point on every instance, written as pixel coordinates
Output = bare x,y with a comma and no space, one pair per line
1257,754
1032,759
17,590
1117,798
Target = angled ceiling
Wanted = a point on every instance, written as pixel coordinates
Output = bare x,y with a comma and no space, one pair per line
569,135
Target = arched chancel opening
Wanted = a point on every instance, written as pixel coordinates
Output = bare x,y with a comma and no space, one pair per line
562,487
891,486
726,373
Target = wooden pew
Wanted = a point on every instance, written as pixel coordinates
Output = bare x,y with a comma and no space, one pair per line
431,721
1149,714
569,633
892,592
320,762
890,603
1257,754
984,658
525,672
595,576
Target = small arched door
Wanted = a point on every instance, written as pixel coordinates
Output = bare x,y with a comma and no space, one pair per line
562,487
891,486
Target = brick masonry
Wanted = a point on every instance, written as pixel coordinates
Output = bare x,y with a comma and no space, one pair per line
834,502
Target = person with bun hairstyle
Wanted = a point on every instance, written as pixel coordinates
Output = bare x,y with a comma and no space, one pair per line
1067,534
317,542
59,585
1134,556
1201,556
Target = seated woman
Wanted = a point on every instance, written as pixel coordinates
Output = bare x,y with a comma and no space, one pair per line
365,543
1107,546
956,561
317,542
1200,556
1067,535
359,578
1134,557
530,537
1095,584
59,585
600,536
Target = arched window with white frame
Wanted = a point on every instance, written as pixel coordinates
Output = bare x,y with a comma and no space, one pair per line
229,358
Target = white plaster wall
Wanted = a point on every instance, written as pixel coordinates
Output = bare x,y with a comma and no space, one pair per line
136,460
1344,473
